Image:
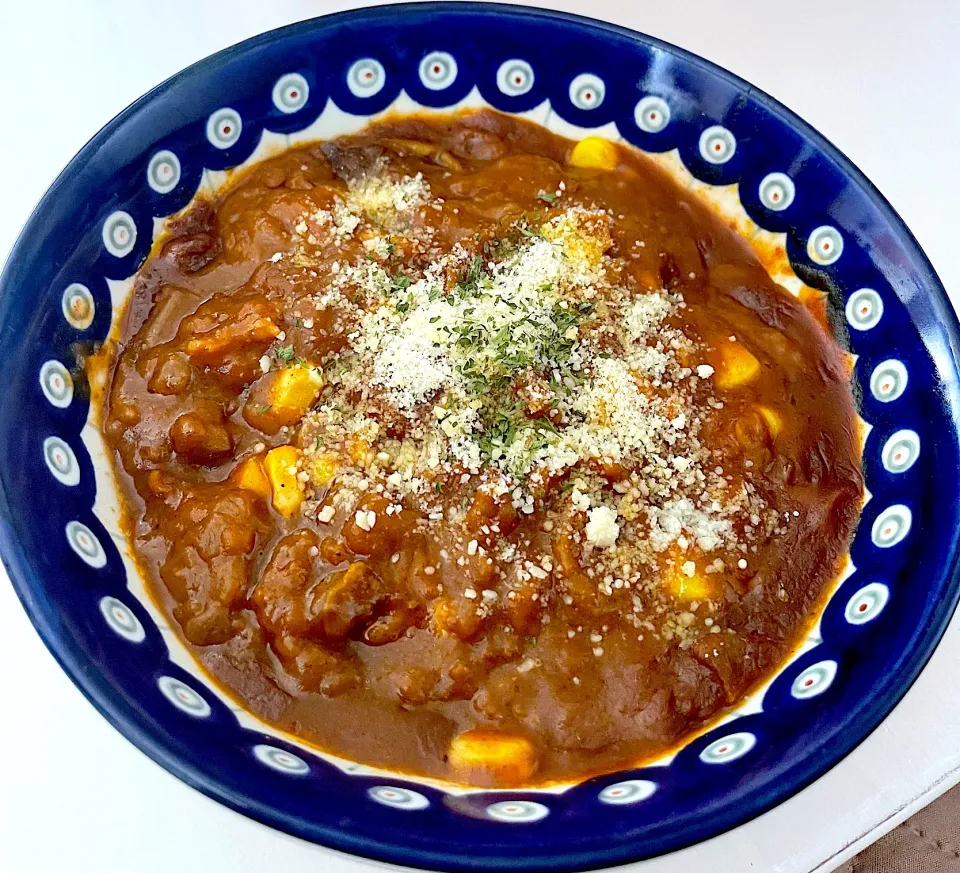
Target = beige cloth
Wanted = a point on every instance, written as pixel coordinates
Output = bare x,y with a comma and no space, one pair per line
927,843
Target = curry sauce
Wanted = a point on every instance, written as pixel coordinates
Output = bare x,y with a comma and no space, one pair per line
456,448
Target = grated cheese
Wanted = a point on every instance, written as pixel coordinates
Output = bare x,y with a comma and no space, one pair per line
602,529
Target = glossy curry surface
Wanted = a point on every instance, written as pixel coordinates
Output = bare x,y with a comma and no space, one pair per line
456,448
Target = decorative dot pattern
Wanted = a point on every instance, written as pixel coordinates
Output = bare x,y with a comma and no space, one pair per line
83,541
867,603
163,172
78,306
183,697
366,77
717,145
61,461
281,760
438,71
398,798
864,309
517,811
888,380
121,620
813,681
777,191
900,451
515,77
119,234
290,93
728,748
56,384
587,91
224,127
625,793
652,114
825,245
891,526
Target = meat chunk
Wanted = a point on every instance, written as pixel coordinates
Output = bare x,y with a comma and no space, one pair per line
194,238
349,598
213,532
227,336
351,163
317,668
201,437
280,598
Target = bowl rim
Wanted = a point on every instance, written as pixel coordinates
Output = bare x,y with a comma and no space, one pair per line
109,701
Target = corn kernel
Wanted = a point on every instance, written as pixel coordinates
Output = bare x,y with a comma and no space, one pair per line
737,366
359,450
773,419
284,486
324,468
491,756
693,588
684,586
584,237
296,388
249,474
594,153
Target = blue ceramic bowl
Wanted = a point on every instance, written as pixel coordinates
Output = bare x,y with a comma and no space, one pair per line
66,277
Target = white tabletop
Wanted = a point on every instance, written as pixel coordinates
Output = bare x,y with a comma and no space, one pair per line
879,79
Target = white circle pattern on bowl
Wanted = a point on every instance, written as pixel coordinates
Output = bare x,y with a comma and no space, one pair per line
61,461
183,697
867,603
728,748
119,233
78,306
825,245
515,77
888,380
281,760
56,384
777,191
891,526
651,114
864,309
587,91
517,811
625,793
398,798
290,93
717,145
366,77
813,681
224,127
900,451
121,620
163,172
85,543
438,71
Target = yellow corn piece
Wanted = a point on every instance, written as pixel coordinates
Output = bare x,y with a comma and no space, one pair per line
594,153
773,420
737,366
249,474
490,756
584,236
359,450
689,588
280,466
324,468
295,389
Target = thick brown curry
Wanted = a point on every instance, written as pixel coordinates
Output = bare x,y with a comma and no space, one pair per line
456,448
